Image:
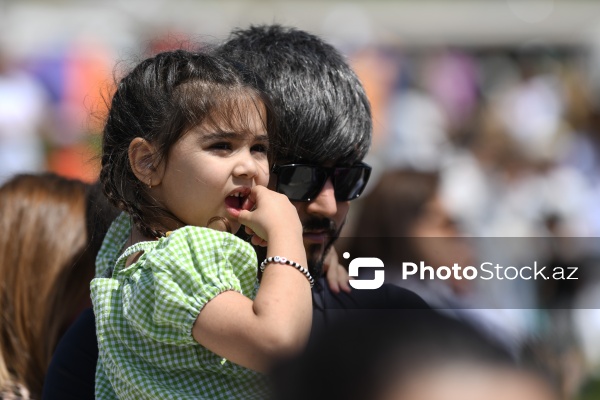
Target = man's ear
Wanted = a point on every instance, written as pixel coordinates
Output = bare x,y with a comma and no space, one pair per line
142,158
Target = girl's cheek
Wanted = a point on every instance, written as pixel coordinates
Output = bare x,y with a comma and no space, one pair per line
264,180
264,174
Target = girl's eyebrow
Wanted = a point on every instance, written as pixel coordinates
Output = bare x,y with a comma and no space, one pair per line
221,135
262,138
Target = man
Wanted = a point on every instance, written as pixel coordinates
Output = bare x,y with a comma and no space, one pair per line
324,121
324,133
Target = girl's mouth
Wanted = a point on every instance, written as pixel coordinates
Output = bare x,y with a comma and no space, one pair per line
237,201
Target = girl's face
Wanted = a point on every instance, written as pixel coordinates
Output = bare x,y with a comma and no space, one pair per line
209,172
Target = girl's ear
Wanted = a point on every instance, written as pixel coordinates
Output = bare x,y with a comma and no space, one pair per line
142,158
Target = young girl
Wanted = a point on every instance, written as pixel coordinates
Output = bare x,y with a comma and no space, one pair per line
178,310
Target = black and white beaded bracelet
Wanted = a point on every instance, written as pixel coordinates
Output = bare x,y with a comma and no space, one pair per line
283,260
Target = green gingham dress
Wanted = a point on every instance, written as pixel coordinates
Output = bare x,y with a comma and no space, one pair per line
145,313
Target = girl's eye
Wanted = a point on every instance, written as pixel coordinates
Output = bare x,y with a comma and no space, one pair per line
261,148
221,146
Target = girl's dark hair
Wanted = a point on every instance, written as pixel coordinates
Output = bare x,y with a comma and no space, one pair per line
160,100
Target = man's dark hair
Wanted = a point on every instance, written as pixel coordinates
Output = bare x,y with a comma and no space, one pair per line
324,114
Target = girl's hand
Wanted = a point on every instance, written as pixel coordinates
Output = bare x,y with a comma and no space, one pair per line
269,213
255,239
336,275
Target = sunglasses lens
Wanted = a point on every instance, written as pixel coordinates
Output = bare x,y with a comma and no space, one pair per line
301,183
350,182
304,182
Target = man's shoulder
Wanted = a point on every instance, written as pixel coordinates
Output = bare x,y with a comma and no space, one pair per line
389,300
388,296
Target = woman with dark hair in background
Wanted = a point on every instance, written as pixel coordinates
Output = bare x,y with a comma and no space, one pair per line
53,228
403,219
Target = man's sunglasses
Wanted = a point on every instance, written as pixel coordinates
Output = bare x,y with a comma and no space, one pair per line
302,182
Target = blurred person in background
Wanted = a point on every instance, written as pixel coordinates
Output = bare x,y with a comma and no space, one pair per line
56,226
23,120
432,357
403,219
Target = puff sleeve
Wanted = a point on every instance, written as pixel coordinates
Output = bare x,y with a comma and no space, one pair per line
164,295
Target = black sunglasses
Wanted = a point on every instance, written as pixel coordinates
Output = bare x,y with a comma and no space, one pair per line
303,182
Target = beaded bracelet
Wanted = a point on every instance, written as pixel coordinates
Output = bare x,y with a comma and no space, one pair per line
283,260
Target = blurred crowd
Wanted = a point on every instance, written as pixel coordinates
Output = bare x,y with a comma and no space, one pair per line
507,129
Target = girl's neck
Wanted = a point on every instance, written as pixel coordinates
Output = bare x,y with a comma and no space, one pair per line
137,236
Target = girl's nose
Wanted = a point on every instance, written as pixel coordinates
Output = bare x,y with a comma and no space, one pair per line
245,166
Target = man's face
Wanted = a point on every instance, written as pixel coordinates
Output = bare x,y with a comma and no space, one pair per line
322,220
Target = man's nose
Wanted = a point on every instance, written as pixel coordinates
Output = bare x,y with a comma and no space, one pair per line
324,204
